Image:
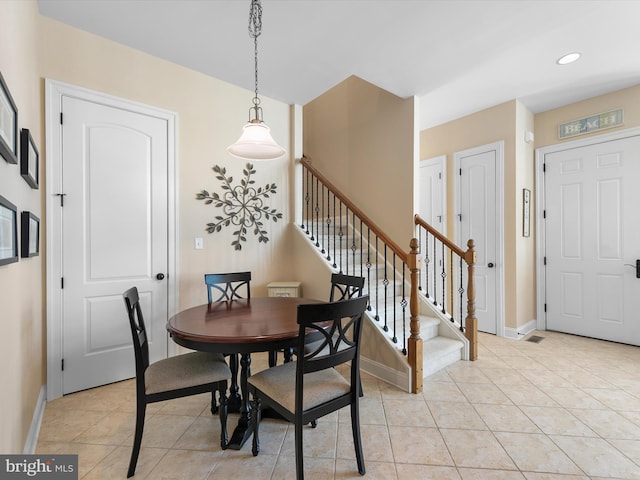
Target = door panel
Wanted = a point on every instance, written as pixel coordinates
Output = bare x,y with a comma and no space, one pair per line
433,192
114,231
477,217
592,238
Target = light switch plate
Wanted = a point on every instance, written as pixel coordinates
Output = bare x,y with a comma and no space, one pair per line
199,243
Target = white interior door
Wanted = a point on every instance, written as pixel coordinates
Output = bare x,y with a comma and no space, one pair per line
110,212
593,240
433,192
478,219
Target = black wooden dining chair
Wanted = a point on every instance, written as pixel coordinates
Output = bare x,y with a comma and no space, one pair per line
345,286
173,377
311,387
226,287
342,287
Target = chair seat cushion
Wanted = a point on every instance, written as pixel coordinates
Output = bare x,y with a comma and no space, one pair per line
279,383
186,370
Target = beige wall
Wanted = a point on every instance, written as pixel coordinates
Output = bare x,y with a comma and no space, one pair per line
22,374
361,138
547,122
21,290
524,247
503,122
509,122
210,114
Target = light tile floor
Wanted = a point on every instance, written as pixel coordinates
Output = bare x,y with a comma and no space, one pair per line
566,408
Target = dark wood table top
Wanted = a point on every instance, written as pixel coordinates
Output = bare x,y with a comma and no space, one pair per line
239,326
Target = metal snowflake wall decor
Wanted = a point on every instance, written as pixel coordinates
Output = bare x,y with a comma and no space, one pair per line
242,205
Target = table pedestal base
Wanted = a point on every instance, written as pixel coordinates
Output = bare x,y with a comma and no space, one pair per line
241,434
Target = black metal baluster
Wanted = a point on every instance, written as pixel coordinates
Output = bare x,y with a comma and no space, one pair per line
317,212
403,303
461,291
369,267
354,247
329,195
420,230
444,281
347,230
322,250
340,234
435,273
377,317
393,301
385,282
361,252
307,202
451,282
334,232
427,259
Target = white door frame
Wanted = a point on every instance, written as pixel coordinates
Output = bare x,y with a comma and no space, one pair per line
498,147
54,91
541,251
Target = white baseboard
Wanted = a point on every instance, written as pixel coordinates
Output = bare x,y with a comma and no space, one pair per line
32,439
522,331
383,372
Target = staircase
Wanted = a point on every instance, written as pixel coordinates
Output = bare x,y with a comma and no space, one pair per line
443,343
416,298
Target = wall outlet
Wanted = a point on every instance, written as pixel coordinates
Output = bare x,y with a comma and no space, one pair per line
199,243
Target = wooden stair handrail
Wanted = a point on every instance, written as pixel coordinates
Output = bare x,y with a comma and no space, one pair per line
471,321
306,161
448,243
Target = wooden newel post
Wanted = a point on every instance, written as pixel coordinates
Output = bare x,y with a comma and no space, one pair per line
471,321
415,342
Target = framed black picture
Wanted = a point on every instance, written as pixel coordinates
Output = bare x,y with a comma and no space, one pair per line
8,232
8,124
30,235
29,159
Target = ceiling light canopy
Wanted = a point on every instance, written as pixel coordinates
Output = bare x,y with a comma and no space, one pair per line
256,142
568,58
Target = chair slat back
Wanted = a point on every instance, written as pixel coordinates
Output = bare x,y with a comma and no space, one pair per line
227,286
345,286
339,325
138,330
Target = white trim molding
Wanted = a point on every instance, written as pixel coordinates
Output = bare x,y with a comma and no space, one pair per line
54,92
34,431
541,153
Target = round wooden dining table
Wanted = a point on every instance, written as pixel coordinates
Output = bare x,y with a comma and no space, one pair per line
243,326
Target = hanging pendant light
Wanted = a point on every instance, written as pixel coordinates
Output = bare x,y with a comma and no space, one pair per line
256,142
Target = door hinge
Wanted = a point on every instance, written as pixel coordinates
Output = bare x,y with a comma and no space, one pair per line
63,364
544,260
61,282
544,167
545,308
460,217
60,118
61,195
460,172
544,214
439,175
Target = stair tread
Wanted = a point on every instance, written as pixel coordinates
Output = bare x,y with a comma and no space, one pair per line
440,345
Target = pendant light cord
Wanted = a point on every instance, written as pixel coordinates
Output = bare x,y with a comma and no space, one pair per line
255,29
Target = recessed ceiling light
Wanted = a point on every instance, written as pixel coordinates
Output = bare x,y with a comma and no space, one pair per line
568,58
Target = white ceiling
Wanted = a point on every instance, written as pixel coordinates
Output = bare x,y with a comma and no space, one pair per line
456,56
